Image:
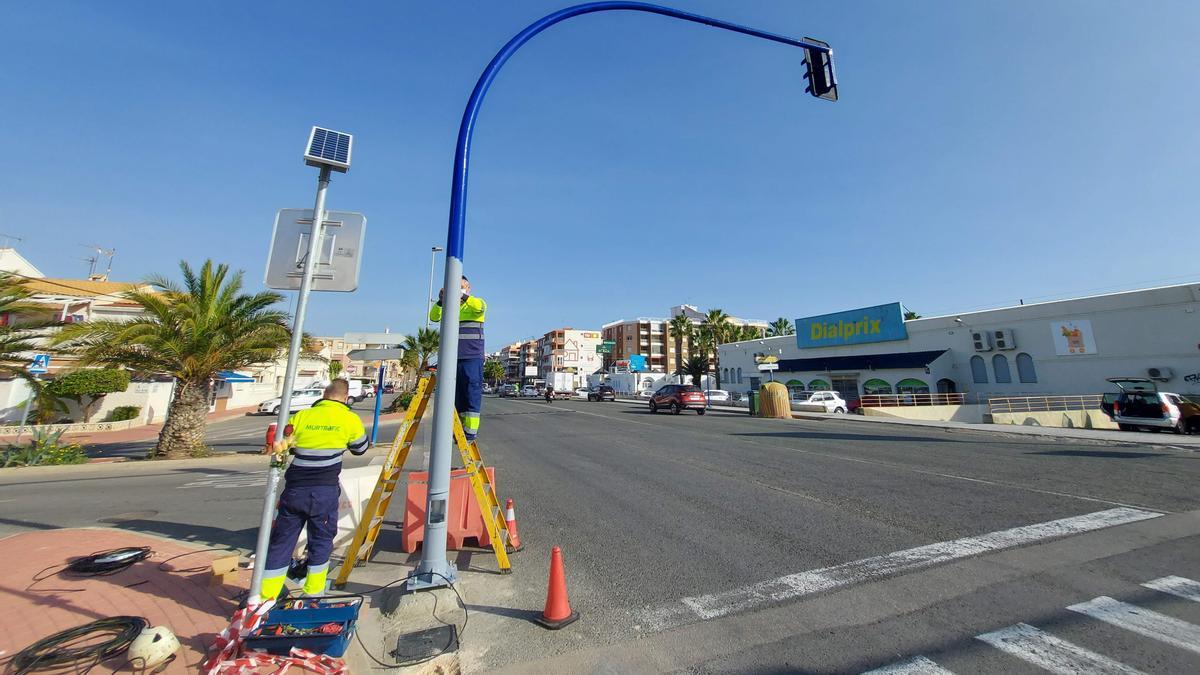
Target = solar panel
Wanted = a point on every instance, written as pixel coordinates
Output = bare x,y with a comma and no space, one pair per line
329,148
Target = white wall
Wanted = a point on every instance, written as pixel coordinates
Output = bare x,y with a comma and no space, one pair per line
1133,331
152,397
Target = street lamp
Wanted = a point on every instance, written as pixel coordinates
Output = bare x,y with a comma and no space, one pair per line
432,265
434,569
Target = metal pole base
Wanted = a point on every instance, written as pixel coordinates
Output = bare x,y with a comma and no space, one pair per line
424,579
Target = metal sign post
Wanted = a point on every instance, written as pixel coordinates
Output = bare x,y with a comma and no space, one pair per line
330,151
378,400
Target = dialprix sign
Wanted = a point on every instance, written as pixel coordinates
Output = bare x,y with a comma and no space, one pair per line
881,323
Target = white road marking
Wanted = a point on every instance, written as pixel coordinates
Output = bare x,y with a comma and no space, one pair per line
918,665
1179,586
1145,622
711,606
237,480
1051,653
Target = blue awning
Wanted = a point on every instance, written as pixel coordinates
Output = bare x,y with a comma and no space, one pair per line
901,360
230,376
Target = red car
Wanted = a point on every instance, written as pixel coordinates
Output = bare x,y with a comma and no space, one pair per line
677,397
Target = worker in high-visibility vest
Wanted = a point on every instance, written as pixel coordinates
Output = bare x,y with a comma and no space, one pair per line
468,387
317,437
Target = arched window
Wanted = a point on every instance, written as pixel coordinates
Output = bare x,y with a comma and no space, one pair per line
818,385
876,386
911,385
724,374
739,377
978,370
1025,370
1000,366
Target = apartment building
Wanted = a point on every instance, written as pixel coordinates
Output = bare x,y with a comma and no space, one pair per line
518,359
651,337
572,351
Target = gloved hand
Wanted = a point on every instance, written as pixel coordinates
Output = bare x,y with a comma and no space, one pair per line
442,296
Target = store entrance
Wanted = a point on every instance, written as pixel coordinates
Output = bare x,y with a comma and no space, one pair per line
847,387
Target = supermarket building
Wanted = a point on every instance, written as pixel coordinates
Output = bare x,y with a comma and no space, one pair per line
1064,347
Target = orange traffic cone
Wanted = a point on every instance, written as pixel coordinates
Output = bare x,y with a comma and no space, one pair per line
510,520
558,609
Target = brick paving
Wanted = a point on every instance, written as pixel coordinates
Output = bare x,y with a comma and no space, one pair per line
182,601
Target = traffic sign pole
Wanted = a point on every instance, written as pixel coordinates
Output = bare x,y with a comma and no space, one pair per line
289,380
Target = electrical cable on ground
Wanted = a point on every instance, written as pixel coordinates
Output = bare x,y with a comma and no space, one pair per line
444,650
90,643
200,568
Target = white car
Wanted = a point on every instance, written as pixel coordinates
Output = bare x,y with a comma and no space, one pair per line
301,399
822,401
368,390
645,394
717,396
529,390
581,393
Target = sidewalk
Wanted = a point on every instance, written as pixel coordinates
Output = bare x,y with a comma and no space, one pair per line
1106,436
183,601
147,432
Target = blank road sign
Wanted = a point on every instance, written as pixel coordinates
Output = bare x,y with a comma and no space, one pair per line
338,259
328,148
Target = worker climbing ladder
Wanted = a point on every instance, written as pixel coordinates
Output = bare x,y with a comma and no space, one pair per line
367,532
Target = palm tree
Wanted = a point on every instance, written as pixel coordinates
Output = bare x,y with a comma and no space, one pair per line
493,370
716,325
189,332
424,344
335,369
19,338
748,332
780,326
681,328
697,367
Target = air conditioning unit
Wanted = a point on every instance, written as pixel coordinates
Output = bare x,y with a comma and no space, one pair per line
1004,339
1160,374
982,340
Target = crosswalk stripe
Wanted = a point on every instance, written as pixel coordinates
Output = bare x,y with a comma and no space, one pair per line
918,665
1179,586
1142,621
1051,653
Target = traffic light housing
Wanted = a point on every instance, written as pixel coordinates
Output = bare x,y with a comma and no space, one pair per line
818,70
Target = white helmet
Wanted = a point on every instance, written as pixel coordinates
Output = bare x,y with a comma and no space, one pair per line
153,647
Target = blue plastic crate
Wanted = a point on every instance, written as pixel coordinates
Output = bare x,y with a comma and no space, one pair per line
308,617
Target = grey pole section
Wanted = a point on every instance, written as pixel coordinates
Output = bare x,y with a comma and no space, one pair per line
432,267
434,569
289,380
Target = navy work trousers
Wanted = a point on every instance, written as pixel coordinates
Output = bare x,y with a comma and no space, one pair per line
311,506
468,395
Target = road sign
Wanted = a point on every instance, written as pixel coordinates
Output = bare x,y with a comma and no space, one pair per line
605,347
765,367
41,364
531,371
340,255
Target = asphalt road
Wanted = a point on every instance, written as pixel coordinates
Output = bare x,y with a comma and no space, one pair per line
728,544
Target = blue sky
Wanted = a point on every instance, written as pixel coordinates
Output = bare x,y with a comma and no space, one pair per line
624,163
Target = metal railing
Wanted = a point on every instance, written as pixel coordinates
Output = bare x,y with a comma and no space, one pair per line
896,400
1019,404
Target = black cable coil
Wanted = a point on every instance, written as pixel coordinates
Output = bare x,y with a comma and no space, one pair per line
85,645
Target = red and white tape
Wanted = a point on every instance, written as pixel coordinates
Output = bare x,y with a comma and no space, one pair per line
226,657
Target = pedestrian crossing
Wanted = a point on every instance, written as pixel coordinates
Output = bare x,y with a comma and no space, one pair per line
1042,649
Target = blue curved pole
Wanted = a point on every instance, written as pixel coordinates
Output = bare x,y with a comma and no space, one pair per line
434,569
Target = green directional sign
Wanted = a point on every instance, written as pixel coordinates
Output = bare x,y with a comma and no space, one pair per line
605,347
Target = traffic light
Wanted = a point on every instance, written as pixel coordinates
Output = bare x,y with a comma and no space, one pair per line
818,70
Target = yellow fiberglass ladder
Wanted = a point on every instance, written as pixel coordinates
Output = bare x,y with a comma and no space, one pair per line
369,526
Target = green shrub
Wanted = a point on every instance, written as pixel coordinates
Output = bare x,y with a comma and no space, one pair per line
124,412
400,403
44,448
